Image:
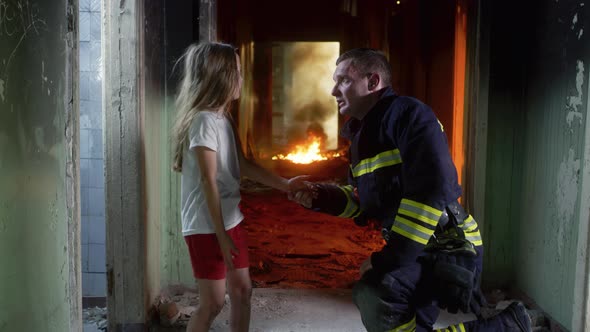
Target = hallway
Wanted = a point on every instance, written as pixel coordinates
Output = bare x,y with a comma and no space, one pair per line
508,80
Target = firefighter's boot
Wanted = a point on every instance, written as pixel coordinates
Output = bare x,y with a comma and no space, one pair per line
515,318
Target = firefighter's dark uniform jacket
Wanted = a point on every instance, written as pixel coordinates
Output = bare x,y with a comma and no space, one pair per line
401,174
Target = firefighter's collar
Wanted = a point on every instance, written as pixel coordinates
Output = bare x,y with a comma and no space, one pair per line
353,125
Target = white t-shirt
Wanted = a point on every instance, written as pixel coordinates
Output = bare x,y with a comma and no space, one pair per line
214,131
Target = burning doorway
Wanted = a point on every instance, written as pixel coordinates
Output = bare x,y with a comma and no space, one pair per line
304,113
287,100
303,109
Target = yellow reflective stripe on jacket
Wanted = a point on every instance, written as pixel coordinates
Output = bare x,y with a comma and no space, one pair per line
420,211
469,227
352,208
416,221
474,237
411,230
407,327
468,224
383,159
453,328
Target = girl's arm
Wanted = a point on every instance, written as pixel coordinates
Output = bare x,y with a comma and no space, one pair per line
207,160
260,174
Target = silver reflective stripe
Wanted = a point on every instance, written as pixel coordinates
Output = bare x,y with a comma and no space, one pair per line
422,212
474,238
469,224
411,230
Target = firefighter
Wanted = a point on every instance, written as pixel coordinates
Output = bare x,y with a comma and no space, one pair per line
401,174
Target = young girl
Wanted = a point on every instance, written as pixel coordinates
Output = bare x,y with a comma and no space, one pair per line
208,154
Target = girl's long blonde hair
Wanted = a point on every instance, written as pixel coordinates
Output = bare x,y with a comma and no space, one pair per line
210,78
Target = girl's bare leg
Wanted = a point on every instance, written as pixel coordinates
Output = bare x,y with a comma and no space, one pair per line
212,297
239,287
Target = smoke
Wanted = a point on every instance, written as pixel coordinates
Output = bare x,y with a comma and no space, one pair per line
310,102
314,111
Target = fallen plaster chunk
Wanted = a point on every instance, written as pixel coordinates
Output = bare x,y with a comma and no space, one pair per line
96,316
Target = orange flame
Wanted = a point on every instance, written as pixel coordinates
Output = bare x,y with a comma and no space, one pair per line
307,153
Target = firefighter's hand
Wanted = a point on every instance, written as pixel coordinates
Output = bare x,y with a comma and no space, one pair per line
298,183
366,266
304,196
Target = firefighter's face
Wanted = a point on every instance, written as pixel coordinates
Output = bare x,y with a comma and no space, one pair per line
351,89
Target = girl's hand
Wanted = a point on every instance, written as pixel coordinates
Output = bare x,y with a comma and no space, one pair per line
228,250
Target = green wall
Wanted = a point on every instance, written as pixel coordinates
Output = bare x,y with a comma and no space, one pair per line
175,266
154,154
537,117
35,272
505,119
555,109
171,27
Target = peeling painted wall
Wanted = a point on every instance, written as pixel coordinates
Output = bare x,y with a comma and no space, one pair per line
538,112
153,153
37,167
178,33
168,31
124,190
145,249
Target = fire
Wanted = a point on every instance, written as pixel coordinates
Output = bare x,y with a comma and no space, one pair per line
307,153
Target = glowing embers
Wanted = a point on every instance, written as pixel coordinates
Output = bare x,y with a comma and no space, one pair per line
307,152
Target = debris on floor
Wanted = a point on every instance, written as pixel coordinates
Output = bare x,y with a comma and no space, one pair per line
95,316
175,305
280,310
500,299
312,310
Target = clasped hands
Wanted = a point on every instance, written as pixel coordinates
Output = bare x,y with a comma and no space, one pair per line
302,191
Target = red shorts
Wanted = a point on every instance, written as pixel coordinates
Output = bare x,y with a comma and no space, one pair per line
206,258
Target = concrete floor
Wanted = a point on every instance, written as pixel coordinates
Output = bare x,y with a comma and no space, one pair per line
301,310
90,327
313,310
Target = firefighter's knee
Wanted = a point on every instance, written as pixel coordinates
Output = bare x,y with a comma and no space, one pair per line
366,299
377,313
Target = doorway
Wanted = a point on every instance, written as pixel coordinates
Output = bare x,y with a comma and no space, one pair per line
93,227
